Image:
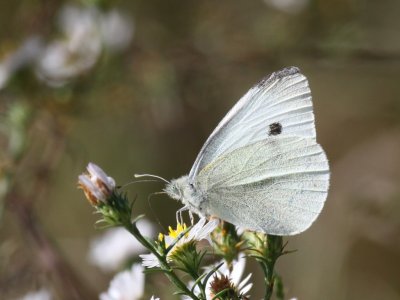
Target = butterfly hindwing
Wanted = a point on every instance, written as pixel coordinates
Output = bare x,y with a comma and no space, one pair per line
277,185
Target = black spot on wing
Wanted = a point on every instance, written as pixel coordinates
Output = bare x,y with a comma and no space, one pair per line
275,128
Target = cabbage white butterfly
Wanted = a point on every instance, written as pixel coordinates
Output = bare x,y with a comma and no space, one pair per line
261,168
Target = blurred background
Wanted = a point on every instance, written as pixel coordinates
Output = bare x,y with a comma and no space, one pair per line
137,87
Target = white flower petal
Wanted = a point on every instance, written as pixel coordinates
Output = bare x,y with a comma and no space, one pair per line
244,290
26,54
149,260
244,281
84,180
111,182
126,285
169,240
76,52
207,229
235,275
97,172
196,229
42,294
138,275
116,30
288,6
243,287
116,245
238,268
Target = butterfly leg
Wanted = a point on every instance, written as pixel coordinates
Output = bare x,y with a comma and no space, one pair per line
191,217
179,219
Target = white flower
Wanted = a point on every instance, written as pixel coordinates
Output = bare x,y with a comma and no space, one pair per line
77,52
96,184
200,231
235,277
23,56
110,250
86,31
116,30
152,298
288,6
127,285
42,294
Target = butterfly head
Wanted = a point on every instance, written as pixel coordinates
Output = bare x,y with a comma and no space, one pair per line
176,188
181,189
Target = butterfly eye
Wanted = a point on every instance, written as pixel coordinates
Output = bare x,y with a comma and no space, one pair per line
275,128
176,190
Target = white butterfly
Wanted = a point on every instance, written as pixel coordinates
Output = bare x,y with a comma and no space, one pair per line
261,168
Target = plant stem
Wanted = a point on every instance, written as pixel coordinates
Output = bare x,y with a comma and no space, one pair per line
163,262
275,249
195,276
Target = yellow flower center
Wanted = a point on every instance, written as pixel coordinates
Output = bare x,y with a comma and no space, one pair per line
173,233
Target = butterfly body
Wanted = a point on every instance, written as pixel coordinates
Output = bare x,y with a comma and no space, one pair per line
261,168
181,189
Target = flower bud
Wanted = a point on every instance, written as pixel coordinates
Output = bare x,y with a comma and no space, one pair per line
97,186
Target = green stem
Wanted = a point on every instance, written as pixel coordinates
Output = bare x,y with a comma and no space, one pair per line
163,262
202,287
274,250
269,281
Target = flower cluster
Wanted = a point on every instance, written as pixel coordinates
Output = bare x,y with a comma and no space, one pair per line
178,241
183,250
85,33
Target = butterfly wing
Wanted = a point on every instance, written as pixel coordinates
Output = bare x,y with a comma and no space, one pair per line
277,185
282,100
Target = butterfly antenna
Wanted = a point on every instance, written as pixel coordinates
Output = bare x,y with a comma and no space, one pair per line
153,211
137,181
151,175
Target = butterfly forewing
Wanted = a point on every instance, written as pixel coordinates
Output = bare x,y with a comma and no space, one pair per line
278,105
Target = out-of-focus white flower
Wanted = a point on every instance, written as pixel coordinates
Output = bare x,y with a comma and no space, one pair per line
288,6
77,52
42,294
234,275
126,285
23,56
86,32
96,184
113,248
60,62
200,231
152,298
116,30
